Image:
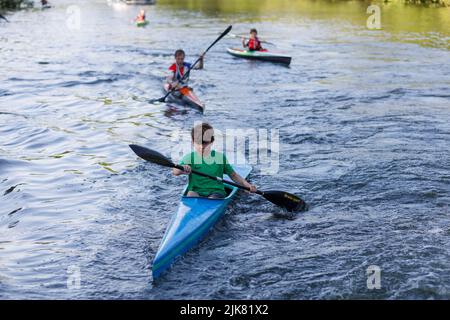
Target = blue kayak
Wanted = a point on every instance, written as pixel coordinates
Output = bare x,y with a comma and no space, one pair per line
190,224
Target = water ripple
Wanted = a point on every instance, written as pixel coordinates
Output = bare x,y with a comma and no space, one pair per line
363,124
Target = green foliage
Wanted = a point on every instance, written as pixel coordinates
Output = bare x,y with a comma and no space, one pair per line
15,4
429,3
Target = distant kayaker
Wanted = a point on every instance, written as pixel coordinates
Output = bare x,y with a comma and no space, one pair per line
141,16
208,161
253,44
179,68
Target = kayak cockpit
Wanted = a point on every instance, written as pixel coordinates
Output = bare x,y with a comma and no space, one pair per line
228,190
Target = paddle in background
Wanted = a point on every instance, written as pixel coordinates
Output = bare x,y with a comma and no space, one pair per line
186,74
246,37
288,201
2,17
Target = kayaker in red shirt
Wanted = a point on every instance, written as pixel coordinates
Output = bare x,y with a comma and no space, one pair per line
179,68
141,16
253,44
208,161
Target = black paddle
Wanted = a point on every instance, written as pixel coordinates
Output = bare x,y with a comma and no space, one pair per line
246,37
283,199
2,17
186,74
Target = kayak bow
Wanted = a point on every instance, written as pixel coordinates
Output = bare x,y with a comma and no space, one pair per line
185,96
190,224
260,55
141,23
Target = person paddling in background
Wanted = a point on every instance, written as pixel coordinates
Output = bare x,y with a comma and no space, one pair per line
178,69
45,4
253,44
141,16
205,159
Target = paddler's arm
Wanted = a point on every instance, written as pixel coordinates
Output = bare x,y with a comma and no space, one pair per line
238,179
245,45
178,172
170,77
170,80
199,66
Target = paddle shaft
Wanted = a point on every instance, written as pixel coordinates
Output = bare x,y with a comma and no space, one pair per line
218,179
186,74
246,37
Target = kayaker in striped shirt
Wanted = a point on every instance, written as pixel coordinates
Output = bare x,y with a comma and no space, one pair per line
179,68
253,44
209,161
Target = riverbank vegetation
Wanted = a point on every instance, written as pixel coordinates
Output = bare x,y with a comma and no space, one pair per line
20,4
243,4
15,4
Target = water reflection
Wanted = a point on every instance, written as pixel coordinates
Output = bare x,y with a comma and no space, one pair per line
398,19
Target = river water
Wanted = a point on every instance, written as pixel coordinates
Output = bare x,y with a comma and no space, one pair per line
363,118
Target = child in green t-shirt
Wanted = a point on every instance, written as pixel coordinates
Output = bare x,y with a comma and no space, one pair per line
208,161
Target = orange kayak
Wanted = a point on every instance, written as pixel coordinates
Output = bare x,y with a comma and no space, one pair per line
185,96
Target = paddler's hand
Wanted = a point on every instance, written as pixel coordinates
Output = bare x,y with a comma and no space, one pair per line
251,187
243,42
174,85
187,169
201,64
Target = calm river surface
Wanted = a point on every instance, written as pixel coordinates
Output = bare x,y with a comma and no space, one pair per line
364,132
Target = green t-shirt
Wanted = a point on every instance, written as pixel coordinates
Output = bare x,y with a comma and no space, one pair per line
216,164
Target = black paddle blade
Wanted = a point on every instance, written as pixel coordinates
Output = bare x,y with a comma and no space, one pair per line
163,99
227,30
223,34
152,156
286,200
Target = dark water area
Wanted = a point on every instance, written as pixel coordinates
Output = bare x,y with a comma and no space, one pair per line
364,131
